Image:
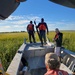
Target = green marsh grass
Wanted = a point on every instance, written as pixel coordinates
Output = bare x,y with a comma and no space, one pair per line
10,43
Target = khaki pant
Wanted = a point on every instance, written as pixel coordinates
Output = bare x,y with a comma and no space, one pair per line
57,51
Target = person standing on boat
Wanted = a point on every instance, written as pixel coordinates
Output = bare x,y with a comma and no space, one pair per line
31,31
58,42
52,64
42,26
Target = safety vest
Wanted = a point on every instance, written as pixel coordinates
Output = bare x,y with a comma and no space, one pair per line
30,27
56,72
56,36
42,27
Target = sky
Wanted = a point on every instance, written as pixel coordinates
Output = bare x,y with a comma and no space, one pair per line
56,16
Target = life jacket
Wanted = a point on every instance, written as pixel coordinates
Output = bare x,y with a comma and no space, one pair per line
30,27
42,27
56,72
56,36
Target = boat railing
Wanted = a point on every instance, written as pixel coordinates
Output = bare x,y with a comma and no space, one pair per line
15,63
68,58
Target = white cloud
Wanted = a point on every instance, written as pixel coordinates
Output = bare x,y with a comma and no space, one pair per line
13,23
17,26
62,25
15,18
4,27
7,27
33,18
19,23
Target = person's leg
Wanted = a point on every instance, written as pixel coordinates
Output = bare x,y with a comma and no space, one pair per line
24,62
44,36
57,51
33,37
30,38
41,36
25,66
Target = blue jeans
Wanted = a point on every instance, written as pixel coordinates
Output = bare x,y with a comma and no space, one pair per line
42,36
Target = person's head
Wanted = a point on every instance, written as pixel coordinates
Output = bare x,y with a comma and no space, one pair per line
42,19
52,61
57,30
31,22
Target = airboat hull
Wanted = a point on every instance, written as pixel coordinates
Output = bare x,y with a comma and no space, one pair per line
35,56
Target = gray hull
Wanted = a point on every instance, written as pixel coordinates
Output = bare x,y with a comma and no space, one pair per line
35,56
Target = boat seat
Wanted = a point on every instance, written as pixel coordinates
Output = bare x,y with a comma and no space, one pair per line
69,61
65,52
65,68
66,59
37,51
72,66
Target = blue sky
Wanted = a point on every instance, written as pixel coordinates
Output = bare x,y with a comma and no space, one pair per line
56,16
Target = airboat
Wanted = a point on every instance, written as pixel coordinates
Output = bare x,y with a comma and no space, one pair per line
33,53
35,56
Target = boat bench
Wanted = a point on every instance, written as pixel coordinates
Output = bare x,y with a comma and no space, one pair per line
13,69
38,51
68,58
65,68
33,53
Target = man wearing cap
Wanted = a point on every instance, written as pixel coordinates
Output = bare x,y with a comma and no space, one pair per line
53,64
58,42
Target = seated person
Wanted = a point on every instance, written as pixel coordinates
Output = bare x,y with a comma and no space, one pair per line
52,65
24,70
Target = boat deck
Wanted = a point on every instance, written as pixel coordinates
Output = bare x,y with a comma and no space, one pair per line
36,46
35,56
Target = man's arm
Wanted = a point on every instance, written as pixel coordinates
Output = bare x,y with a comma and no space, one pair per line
46,28
38,25
33,29
58,38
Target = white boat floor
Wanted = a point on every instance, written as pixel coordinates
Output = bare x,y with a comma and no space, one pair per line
36,62
36,65
34,46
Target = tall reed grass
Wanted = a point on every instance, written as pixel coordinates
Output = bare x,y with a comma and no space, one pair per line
10,43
